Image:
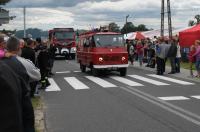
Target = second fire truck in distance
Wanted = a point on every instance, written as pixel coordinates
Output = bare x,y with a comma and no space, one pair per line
102,51
64,40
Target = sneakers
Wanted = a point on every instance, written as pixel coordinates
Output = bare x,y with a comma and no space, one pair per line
171,73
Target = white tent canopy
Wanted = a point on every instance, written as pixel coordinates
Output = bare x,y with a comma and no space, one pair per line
156,32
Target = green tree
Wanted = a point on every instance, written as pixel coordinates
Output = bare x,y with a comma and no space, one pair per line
34,32
3,2
128,27
113,27
197,17
142,27
195,21
191,23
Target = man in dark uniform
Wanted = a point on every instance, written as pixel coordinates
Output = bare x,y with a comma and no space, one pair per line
52,50
44,66
29,53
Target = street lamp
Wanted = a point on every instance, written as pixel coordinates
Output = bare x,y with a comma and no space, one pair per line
126,24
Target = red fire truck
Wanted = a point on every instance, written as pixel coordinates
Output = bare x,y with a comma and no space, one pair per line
64,40
102,51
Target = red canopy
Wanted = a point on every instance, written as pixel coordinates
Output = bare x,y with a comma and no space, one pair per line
189,36
137,35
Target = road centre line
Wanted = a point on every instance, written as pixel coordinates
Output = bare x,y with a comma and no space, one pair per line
77,71
158,83
171,79
187,115
196,96
53,86
173,98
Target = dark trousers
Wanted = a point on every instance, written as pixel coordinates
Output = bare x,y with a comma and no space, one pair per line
173,65
28,115
177,63
160,65
51,62
33,88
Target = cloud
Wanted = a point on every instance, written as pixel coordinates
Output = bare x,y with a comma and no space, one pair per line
47,3
47,14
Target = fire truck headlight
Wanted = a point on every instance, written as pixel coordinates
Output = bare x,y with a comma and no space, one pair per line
123,58
100,59
73,50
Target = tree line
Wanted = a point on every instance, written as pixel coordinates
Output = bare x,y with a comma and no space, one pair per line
127,28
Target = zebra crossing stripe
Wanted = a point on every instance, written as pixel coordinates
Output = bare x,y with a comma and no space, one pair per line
101,82
173,98
158,83
196,97
75,83
126,81
171,80
53,86
77,71
63,72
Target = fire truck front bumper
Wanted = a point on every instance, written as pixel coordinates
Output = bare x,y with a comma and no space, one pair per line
110,66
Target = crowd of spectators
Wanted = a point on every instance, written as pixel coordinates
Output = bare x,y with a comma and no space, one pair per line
25,65
157,51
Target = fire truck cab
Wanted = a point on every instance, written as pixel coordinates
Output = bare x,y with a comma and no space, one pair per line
102,51
64,40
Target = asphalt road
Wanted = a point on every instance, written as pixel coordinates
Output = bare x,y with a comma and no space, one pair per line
139,102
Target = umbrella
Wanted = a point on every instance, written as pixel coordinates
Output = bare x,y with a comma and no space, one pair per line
136,35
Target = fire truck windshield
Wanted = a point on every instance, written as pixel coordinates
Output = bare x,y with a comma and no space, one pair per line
108,40
64,35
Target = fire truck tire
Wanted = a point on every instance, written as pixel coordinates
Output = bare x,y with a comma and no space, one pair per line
66,56
95,72
82,67
72,56
123,71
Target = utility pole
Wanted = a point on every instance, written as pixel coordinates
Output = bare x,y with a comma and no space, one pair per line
126,24
24,22
169,19
163,18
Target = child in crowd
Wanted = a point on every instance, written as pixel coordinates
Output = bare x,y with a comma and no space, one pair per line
131,53
191,59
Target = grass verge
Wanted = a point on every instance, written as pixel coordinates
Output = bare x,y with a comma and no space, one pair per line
39,115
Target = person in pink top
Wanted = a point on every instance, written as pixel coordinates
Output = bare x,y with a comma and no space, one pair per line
2,46
140,52
191,58
197,56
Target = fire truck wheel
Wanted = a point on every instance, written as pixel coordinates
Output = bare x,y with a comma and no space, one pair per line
73,56
95,72
82,67
123,71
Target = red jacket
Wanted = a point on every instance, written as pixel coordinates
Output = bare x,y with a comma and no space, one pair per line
190,56
139,49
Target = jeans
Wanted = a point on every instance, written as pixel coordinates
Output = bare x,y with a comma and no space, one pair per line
197,64
140,59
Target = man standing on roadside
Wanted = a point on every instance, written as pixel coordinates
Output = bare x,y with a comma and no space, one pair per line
26,70
29,53
172,56
11,98
161,52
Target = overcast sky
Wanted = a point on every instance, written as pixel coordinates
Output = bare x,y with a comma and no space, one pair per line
86,14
